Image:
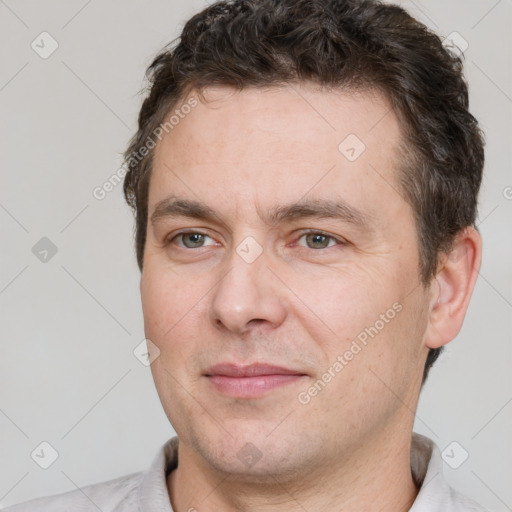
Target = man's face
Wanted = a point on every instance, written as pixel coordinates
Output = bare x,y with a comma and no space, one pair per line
268,278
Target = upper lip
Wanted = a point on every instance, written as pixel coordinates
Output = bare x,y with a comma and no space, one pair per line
250,370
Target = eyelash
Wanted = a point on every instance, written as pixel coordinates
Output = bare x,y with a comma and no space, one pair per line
303,234
322,233
174,237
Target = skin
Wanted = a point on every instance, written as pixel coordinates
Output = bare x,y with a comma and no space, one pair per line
299,305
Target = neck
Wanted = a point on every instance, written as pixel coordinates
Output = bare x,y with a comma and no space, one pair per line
376,476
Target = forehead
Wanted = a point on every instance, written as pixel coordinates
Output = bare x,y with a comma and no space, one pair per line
283,142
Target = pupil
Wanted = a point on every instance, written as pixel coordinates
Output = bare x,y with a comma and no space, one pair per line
195,238
318,240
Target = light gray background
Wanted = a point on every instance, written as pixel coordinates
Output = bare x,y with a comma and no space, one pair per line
69,326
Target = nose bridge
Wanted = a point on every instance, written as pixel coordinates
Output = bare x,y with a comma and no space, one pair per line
246,291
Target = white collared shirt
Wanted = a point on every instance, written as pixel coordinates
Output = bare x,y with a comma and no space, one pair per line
147,491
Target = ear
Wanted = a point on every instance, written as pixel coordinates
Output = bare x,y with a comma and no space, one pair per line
452,287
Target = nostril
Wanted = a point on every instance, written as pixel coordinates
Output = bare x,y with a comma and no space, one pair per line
241,329
256,321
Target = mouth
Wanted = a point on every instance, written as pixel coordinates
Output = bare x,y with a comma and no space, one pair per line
250,381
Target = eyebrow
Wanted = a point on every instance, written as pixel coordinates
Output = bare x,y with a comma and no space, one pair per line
339,209
318,208
176,207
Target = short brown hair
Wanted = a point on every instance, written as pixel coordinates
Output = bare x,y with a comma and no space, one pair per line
349,44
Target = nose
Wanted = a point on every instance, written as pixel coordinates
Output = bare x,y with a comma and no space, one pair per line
247,296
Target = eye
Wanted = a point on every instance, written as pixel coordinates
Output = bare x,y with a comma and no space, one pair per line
317,240
191,240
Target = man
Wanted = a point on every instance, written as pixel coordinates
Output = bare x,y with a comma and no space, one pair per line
305,178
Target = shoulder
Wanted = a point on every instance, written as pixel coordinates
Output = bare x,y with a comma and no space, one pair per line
435,494
462,503
453,501
118,495
129,493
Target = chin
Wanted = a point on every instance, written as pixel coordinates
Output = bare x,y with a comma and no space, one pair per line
251,454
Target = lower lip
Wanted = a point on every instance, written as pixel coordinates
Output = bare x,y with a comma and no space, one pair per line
249,387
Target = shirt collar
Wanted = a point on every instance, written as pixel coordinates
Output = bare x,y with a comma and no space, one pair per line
426,466
153,493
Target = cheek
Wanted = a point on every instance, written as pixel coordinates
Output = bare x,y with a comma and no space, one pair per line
171,307
171,311
372,321
377,370
347,303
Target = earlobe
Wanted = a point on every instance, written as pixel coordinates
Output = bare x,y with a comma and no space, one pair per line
452,288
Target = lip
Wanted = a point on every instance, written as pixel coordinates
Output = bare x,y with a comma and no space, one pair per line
250,370
250,381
